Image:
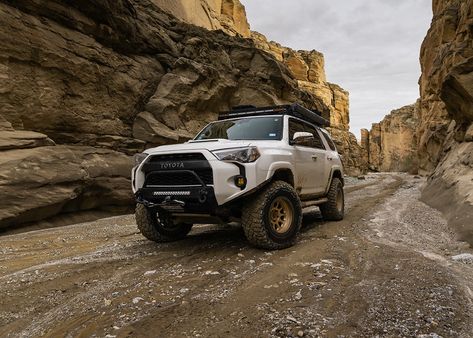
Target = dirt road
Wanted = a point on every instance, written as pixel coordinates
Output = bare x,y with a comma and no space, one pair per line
391,268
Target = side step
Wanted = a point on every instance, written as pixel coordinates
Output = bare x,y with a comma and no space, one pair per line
312,203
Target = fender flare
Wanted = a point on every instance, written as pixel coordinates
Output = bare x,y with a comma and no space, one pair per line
275,166
333,170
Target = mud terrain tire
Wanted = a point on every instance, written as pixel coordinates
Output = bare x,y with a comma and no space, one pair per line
272,219
334,209
157,229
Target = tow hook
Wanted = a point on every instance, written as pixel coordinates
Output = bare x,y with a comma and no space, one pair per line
169,201
203,195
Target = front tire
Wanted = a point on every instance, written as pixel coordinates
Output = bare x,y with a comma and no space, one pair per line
159,228
334,209
273,218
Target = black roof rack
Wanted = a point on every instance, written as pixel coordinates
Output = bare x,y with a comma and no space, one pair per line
295,110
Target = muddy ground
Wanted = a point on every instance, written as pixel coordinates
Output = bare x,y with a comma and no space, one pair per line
392,268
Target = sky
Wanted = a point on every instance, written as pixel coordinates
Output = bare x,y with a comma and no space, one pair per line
371,47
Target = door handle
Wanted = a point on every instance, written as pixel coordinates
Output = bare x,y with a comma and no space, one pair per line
314,157
329,158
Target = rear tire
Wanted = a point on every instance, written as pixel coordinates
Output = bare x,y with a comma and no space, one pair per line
272,219
334,209
159,228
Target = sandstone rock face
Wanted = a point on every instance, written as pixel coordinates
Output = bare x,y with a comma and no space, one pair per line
391,145
447,111
83,87
39,179
308,68
446,60
228,15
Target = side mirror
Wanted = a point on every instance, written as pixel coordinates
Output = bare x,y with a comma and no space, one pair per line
302,138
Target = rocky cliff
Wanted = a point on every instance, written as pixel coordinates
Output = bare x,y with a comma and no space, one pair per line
391,145
85,85
227,15
308,68
446,118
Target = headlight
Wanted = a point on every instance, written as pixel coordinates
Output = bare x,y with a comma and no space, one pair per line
139,158
244,155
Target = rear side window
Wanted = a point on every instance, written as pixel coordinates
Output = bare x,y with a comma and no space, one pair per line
329,141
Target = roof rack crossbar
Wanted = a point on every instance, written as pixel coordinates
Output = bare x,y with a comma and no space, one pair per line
295,110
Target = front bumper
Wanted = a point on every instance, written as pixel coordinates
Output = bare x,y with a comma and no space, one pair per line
222,190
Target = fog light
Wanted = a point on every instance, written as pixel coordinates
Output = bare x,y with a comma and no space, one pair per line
240,182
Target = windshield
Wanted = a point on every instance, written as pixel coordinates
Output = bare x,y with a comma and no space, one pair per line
255,128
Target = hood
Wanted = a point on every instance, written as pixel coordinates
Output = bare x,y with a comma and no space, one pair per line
209,145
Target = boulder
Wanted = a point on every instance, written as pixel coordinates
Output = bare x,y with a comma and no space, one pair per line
41,182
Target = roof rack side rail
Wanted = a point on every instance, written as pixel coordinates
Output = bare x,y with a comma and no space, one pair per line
309,115
295,110
247,110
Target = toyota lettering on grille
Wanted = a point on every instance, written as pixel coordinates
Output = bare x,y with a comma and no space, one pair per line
172,165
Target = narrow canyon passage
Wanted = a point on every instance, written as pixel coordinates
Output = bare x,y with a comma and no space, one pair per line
392,266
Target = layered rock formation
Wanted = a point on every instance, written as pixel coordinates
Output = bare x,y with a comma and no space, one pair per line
446,118
227,15
391,145
39,179
83,86
308,68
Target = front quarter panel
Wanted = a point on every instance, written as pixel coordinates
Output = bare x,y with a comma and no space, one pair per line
274,157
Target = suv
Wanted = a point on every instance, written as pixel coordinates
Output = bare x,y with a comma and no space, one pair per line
256,166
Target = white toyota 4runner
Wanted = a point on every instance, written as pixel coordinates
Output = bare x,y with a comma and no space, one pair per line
256,166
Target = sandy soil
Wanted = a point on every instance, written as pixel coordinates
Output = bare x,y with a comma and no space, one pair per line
392,268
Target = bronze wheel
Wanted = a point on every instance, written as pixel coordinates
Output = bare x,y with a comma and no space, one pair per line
272,219
281,215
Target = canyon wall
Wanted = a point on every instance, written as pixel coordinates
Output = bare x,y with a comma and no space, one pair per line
308,68
391,145
227,15
446,114
85,85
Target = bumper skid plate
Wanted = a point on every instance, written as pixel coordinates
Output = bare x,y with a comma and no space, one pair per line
182,199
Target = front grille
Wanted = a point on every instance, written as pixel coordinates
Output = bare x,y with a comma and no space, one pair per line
178,157
178,170
179,178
